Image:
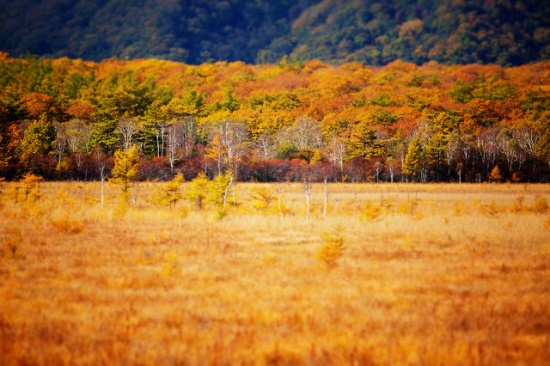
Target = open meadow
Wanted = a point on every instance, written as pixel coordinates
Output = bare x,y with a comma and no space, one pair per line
387,274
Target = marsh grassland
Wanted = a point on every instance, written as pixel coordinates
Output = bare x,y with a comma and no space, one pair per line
385,274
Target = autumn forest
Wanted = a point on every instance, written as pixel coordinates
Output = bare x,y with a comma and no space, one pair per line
63,119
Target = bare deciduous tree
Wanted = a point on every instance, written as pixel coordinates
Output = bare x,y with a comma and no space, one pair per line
79,135
265,146
127,128
308,186
189,134
228,142
487,148
59,144
509,147
101,161
304,134
337,154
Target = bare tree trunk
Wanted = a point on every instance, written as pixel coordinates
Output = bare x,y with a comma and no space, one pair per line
102,188
136,192
280,202
101,166
326,200
162,131
225,193
402,163
307,189
158,143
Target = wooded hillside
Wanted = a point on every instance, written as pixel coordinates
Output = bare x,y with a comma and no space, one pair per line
334,31
63,118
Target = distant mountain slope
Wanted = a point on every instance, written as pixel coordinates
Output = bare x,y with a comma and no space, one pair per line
195,31
192,31
449,31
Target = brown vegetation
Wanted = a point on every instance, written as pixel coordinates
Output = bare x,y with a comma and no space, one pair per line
425,274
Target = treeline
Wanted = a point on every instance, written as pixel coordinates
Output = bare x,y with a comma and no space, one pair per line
375,32
64,119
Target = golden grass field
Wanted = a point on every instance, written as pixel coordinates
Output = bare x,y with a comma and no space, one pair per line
434,274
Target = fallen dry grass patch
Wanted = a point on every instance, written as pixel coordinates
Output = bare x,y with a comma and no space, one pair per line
432,279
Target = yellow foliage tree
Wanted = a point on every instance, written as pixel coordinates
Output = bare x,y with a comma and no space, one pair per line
30,186
126,168
333,247
495,175
198,190
218,190
170,194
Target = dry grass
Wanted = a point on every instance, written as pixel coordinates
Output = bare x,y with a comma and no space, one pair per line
442,274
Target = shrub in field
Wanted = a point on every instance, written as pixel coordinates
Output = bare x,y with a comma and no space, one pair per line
170,266
540,205
407,243
198,190
262,198
13,192
172,189
158,196
67,225
62,195
387,204
372,211
332,248
517,206
27,190
458,209
281,207
169,194
29,186
90,200
120,208
218,189
489,209
407,207
68,202
269,259
11,247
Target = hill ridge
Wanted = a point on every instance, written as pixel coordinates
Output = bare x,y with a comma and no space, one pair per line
334,31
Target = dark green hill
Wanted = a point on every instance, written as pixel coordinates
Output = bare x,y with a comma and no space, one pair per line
192,31
448,31
195,31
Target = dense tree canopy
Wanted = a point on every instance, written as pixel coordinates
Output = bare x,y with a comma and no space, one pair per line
65,119
506,32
